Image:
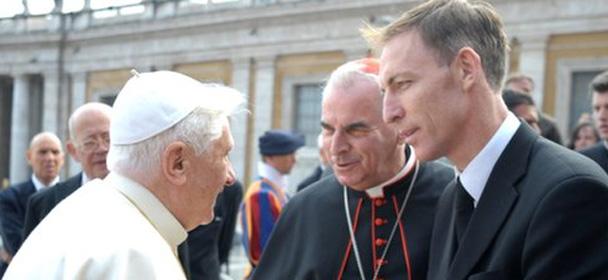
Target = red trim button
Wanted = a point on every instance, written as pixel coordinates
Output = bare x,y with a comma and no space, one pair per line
380,242
379,202
380,262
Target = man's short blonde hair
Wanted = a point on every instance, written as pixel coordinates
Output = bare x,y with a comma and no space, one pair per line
446,26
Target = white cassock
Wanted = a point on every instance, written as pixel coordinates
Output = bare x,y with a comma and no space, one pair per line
108,229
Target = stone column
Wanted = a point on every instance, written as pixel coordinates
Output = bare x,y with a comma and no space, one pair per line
82,20
50,108
240,81
77,98
166,9
263,105
79,90
58,6
20,129
532,62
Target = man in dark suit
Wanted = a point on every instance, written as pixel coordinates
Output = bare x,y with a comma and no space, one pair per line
599,151
372,218
522,207
45,156
522,106
524,84
322,170
89,127
209,245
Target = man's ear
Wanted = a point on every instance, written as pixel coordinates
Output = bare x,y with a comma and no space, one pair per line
467,65
71,147
175,162
28,156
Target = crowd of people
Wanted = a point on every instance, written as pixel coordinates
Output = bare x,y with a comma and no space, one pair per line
432,166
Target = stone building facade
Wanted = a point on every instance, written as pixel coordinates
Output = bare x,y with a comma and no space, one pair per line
277,52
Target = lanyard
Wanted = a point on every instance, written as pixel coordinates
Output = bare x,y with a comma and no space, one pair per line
394,229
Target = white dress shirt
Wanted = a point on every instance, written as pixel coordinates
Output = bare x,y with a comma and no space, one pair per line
270,173
475,176
39,185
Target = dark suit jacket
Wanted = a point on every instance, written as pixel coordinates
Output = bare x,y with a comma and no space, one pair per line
599,154
311,238
13,202
542,215
315,176
41,203
209,245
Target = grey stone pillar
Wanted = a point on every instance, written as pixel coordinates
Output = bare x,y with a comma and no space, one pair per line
20,128
79,90
240,81
50,108
78,98
263,103
532,62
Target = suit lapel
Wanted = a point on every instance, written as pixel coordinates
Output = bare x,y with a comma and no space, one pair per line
70,186
443,244
495,204
28,191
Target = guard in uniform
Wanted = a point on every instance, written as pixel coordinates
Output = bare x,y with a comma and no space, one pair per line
266,197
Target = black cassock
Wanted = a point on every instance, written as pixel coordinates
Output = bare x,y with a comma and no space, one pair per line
311,239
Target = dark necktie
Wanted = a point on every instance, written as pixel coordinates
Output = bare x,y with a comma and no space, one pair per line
464,209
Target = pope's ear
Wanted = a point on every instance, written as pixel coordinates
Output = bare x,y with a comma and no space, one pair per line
175,163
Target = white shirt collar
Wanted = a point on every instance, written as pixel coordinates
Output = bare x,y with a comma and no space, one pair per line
476,174
160,217
270,173
39,185
84,179
377,191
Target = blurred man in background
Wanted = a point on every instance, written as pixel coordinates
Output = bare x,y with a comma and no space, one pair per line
89,128
322,170
524,84
599,152
45,156
266,197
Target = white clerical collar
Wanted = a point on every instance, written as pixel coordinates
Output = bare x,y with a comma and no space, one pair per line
270,173
476,174
160,217
378,191
39,185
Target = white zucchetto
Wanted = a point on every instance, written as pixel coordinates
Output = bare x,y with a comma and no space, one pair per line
153,102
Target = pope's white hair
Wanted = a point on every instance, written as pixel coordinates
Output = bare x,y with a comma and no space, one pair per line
198,129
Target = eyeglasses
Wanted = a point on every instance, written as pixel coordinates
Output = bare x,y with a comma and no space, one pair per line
93,142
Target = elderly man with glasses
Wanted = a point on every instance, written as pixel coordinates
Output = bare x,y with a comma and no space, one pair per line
89,128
